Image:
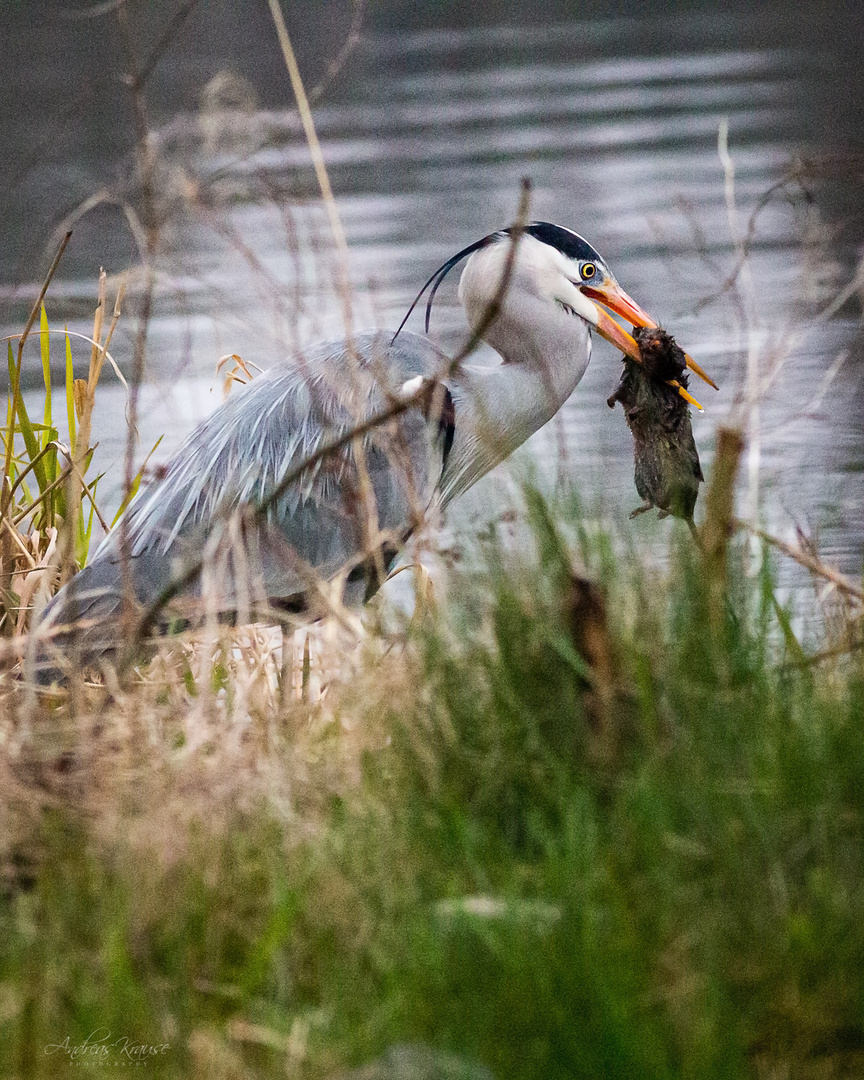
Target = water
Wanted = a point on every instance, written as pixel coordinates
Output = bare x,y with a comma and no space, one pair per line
427,134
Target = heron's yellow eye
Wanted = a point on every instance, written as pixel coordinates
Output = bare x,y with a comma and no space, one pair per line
588,271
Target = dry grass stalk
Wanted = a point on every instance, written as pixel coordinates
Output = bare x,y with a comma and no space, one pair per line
807,559
317,161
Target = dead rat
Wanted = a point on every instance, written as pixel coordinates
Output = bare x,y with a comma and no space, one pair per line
668,473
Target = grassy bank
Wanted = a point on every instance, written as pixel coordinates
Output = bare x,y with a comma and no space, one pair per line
545,833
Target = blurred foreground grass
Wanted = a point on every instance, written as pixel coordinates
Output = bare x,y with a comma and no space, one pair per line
646,865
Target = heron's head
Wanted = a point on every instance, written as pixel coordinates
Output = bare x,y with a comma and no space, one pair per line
557,267
553,266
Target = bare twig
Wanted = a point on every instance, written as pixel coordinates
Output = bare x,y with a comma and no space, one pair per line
99,198
351,43
145,157
804,558
730,281
170,32
42,496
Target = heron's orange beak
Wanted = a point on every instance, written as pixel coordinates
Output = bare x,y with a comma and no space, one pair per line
613,296
610,330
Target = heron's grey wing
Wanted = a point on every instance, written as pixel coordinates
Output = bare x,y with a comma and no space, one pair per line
343,507
236,458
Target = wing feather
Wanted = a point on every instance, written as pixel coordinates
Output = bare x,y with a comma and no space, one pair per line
241,452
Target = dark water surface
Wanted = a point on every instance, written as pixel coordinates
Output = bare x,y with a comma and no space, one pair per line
427,132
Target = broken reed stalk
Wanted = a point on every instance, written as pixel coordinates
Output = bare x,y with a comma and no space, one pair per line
84,393
720,518
87,394
84,398
585,613
721,522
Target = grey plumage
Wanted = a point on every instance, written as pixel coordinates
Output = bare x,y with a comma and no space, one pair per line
238,456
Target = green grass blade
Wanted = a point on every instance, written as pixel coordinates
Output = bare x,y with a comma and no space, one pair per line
85,533
31,441
9,435
45,348
84,537
70,395
130,495
792,643
136,483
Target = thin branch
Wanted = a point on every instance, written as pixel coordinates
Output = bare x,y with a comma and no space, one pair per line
41,497
744,248
171,30
805,559
351,43
145,156
142,125
104,196
80,477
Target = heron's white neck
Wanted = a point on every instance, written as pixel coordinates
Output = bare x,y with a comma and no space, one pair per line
545,350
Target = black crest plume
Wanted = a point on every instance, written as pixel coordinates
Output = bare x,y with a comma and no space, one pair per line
564,240
441,273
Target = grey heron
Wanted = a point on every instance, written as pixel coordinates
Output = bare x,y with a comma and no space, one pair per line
344,519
